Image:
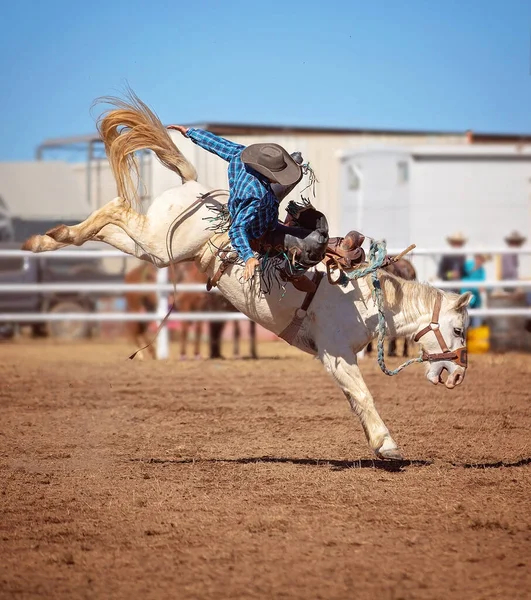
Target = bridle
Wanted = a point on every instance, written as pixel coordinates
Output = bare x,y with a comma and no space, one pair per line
458,356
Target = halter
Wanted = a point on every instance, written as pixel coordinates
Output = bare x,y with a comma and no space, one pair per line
458,356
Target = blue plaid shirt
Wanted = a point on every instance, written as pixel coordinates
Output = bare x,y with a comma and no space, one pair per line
253,206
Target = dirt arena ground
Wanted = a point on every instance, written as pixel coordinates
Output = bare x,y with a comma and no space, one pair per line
242,479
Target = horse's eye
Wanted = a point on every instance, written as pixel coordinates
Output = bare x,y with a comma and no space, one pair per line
458,332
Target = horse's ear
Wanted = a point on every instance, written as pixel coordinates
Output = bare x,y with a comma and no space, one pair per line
463,300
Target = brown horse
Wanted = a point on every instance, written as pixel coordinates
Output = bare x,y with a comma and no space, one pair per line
189,302
213,302
404,269
185,302
140,302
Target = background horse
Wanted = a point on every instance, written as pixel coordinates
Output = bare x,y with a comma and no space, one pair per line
185,302
141,302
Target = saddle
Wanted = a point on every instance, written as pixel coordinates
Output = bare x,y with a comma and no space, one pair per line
304,242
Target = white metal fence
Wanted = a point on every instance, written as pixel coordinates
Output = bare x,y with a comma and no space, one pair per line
163,288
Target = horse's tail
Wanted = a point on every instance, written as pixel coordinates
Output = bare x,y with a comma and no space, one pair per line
130,126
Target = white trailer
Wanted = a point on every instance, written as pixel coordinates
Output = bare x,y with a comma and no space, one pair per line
422,194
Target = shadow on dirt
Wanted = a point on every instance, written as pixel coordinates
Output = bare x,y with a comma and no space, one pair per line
393,466
494,465
334,465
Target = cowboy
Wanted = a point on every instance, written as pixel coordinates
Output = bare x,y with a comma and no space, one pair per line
509,262
452,266
253,206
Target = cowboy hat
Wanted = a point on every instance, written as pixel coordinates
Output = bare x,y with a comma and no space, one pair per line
515,238
274,162
457,237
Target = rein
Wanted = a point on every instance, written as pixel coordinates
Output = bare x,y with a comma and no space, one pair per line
377,257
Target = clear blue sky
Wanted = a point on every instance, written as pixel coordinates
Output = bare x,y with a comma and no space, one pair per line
441,65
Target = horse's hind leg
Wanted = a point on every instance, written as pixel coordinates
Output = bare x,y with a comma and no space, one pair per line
116,212
184,338
197,342
252,334
115,224
215,332
236,340
344,369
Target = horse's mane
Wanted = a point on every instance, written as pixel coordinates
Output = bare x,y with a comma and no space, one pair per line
413,297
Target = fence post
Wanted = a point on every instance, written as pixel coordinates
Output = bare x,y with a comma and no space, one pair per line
163,339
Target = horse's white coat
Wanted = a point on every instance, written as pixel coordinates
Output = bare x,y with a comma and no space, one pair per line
339,323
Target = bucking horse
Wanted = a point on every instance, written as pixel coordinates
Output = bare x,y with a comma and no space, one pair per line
331,321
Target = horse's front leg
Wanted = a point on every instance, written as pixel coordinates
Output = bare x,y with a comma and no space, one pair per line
345,371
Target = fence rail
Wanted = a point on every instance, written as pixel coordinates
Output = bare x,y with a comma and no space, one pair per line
120,316
163,288
117,289
391,251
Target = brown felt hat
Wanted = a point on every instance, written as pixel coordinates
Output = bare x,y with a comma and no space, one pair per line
515,238
274,162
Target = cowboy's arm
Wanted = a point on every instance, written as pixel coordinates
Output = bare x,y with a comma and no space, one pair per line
239,235
217,145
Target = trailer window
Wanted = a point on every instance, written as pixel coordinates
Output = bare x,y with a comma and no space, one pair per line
403,171
353,178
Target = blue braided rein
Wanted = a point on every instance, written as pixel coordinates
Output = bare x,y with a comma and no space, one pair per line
377,255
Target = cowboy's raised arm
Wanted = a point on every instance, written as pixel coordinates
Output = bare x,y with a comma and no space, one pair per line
217,145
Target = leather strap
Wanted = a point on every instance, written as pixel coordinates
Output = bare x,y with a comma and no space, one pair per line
434,326
316,279
213,281
291,331
331,262
459,356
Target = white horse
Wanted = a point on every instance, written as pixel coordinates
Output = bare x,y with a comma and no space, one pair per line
340,321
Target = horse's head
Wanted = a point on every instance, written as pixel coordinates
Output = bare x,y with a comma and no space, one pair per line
443,339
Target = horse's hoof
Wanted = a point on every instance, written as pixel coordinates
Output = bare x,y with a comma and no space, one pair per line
60,233
390,454
183,357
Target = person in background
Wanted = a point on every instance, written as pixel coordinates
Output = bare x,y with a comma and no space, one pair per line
509,266
509,262
451,267
474,270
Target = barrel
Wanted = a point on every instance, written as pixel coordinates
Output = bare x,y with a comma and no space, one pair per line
509,333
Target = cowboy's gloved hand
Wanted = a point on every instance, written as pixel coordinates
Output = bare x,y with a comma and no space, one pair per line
250,267
181,128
